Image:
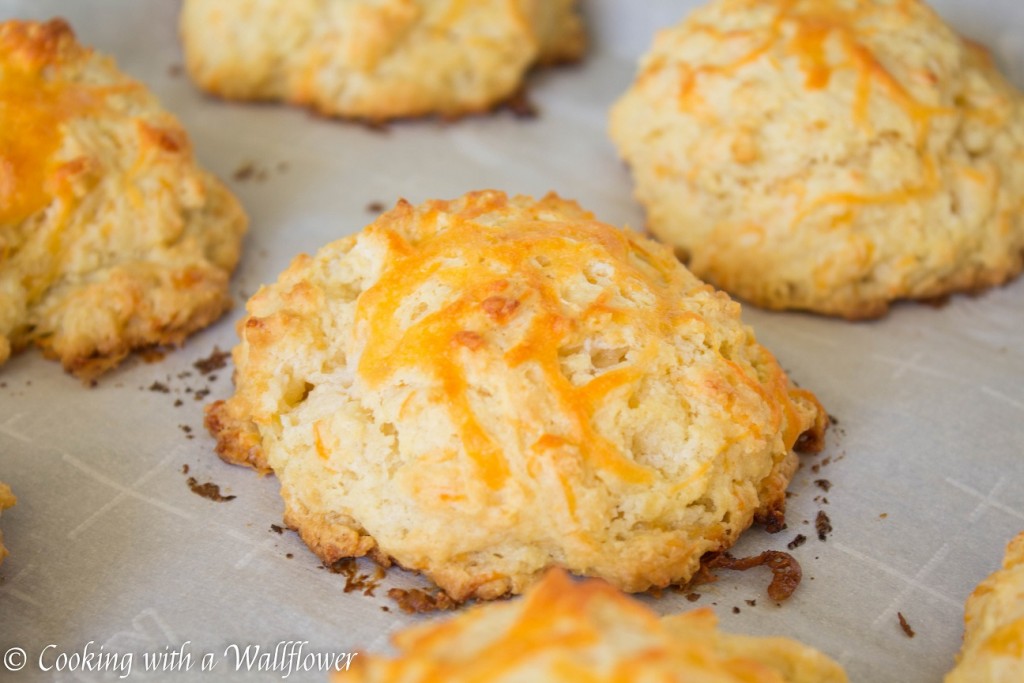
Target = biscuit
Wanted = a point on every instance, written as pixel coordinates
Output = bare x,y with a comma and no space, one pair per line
111,237
993,650
827,155
7,500
376,60
569,631
483,388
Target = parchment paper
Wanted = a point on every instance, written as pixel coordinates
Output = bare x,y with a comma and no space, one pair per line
109,545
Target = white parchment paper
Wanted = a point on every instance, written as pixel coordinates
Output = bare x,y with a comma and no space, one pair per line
110,547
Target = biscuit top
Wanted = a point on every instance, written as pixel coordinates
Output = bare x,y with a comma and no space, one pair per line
837,43
564,630
832,36
34,102
836,36
501,277
376,59
828,38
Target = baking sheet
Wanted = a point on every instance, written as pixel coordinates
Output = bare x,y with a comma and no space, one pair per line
110,547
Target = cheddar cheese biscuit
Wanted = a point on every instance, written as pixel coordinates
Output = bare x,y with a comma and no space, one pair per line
993,650
565,631
483,388
7,500
828,155
374,60
111,237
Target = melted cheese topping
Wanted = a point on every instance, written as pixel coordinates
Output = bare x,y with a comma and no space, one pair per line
504,302
476,262
34,104
826,38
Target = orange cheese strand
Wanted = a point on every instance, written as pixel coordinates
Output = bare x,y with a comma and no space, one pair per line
813,25
34,103
541,627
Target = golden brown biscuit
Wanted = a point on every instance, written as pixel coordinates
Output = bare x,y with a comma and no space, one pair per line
993,650
569,631
7,500
483,388
111,237
376,60
828,155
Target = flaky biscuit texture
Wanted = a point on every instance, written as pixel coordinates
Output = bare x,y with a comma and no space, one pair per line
828,155
483,388
993,649
376,59
7,500
565,632
111,237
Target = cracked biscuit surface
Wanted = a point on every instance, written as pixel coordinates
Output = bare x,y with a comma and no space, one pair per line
569,631
376,60
993,649
111,237
828,155
482,388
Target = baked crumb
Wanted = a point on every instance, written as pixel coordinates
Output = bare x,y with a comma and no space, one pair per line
209,490
215,361
905,625
823,525
816,467
244,172
354,579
